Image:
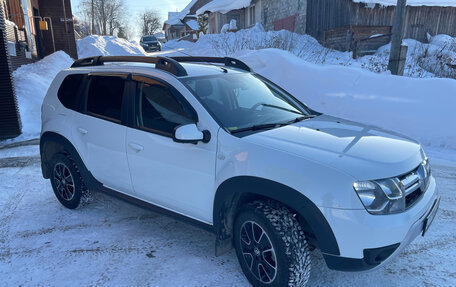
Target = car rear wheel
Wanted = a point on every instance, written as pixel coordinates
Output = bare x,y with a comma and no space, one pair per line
271,246
66,181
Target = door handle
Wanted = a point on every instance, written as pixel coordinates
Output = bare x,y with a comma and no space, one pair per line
82,131
136,147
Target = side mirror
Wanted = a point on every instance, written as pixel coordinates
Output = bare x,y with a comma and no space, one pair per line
190,134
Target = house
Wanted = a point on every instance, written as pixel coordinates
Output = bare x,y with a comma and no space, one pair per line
29,31
183,23
272,14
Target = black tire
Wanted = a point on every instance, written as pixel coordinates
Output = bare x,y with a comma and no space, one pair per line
66,181
290,252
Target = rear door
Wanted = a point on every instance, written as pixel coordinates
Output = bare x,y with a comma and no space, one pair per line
99,131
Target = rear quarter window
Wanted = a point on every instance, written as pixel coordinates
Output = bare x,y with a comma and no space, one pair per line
68,91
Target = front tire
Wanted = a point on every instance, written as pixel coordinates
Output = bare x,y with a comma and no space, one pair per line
271,246
66,181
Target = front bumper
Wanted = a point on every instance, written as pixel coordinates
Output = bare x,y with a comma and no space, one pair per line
367,241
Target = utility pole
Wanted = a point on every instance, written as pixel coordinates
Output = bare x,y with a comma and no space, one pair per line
93,23
396,62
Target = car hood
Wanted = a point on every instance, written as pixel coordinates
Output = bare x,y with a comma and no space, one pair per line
362,151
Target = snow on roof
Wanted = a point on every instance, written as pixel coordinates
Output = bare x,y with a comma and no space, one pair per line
193,24
176,18
223,6
442,3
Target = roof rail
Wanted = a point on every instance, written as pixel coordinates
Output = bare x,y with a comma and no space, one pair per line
169,64
227,61
162,63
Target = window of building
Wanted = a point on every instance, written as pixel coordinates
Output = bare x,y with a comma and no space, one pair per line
105,97
68,91
158,110
252,20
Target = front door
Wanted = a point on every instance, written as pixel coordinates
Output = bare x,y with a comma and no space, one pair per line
176,176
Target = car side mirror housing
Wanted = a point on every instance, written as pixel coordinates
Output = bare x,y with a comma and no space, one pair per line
190,134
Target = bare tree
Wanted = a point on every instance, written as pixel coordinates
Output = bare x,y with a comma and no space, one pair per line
107,15
150,22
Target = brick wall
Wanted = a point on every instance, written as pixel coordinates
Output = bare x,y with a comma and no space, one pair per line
63,34
276,13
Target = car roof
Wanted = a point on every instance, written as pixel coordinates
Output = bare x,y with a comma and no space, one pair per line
193,69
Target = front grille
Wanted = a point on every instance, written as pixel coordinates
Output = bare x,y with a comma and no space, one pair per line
414,185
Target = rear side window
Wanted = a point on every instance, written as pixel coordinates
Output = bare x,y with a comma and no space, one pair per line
104,97
68,91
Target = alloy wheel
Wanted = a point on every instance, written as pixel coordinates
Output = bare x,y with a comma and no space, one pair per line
258,252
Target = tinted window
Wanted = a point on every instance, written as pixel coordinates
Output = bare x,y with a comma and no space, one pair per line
105,97
149,39
68,91
158,109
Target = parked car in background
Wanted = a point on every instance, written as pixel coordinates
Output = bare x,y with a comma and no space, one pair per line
150,43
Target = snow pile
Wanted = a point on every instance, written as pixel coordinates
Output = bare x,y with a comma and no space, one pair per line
31,83
107,45
436,59
420,108
442,3
223,6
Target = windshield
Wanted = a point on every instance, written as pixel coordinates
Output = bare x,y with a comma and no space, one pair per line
149,39
242,101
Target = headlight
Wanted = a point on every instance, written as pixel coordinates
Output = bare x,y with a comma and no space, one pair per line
383,196
387,196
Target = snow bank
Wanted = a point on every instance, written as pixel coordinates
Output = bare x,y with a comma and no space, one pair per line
223,6
436,59
443,3
420,108
107,45
31,83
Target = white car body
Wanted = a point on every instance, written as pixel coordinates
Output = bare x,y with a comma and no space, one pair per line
321,158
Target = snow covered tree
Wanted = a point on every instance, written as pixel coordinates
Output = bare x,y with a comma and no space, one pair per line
202,23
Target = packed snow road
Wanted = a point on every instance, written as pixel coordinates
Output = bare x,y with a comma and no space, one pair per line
112,243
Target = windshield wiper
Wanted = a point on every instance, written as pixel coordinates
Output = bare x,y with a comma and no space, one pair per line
298,119
256,128
273,125
281,108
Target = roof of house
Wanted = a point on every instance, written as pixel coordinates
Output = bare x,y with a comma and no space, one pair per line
176,18
443,3
223,6
193,24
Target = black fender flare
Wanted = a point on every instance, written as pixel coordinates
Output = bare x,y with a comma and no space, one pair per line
46,157
231,190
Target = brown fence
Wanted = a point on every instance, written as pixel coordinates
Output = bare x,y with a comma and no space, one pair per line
323,15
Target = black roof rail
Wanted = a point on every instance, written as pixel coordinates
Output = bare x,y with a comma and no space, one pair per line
227,61
162,63
169,64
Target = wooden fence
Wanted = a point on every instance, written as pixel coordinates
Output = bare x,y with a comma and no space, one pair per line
323,15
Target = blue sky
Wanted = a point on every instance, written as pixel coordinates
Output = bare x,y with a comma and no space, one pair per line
136,6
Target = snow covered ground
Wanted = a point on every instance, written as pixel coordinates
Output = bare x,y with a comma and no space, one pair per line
111,243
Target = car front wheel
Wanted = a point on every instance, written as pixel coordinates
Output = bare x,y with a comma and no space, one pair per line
271,246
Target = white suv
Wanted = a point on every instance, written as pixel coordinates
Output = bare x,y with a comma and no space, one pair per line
211,142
